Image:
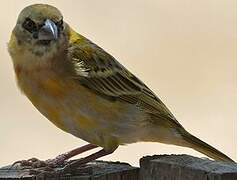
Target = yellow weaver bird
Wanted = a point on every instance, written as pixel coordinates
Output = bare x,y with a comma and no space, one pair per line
86,92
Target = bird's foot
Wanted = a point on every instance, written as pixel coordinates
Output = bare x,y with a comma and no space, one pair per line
30,163
34,163
68,168
59,161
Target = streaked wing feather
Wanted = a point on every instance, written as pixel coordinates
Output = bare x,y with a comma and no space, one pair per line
103,74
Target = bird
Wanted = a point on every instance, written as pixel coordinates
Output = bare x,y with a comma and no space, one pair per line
86,92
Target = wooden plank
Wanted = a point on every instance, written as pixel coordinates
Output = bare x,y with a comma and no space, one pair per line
97,170
159,167
184,167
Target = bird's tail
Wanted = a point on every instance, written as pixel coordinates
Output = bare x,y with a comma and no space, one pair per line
204,148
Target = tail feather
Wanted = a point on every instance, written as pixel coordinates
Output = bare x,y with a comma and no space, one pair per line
204,148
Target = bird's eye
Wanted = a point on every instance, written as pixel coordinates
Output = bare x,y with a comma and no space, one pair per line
29,25
60,24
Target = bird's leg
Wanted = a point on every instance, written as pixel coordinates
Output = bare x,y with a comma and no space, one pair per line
59,160
87,159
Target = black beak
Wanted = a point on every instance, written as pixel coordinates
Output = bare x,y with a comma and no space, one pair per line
48,32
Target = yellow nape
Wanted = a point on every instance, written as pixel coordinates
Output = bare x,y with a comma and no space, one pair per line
74,36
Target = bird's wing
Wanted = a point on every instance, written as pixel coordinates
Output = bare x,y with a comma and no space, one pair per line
103,74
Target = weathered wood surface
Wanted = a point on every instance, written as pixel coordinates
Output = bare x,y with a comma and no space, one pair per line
184,167
159,167
98,170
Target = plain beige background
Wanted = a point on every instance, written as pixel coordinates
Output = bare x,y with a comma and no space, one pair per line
183,50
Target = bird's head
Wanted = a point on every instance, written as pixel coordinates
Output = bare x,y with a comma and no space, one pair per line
40,32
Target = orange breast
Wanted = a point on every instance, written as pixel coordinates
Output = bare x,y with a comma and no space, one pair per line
79,111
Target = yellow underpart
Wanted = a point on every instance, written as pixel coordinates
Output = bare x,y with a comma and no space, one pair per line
54,88
53,114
